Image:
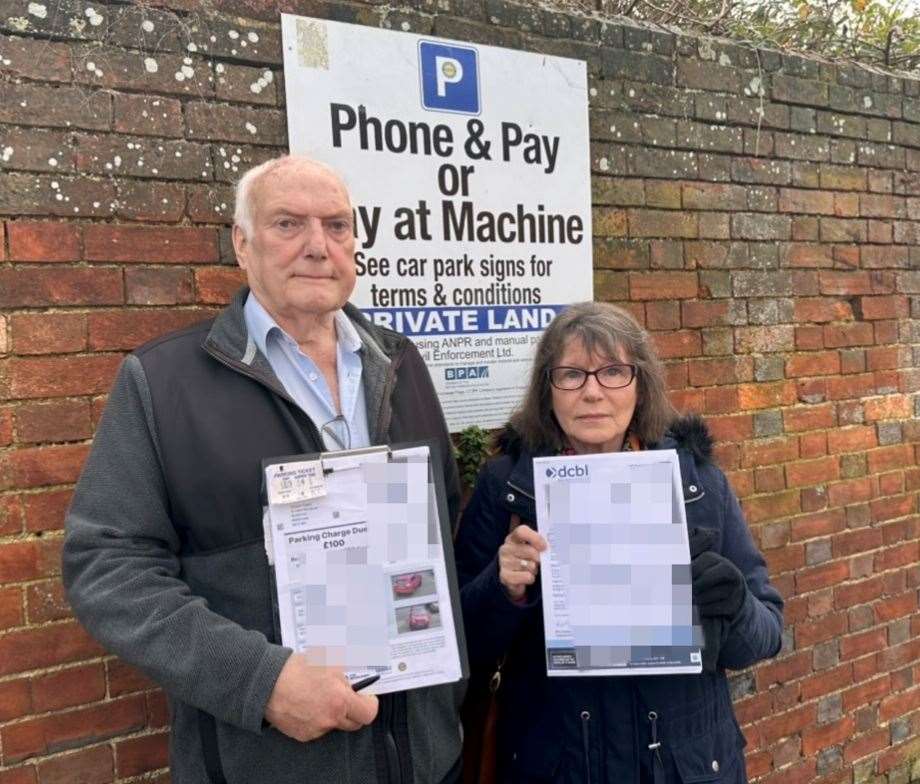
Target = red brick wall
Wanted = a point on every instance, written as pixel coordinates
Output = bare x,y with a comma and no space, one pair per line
768,240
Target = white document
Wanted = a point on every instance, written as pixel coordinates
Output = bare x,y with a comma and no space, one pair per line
617,594
360,569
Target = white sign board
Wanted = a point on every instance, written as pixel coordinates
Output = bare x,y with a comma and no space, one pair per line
469,171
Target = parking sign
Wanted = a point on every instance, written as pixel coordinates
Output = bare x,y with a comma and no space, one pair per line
449,77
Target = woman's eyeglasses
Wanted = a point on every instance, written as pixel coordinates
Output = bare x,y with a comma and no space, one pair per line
610,376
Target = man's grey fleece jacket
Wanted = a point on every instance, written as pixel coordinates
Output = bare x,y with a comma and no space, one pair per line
164,561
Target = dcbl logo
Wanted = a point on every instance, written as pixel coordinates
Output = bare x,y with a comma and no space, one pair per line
449,77
567,471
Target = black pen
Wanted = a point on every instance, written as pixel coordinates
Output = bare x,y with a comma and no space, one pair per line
365,682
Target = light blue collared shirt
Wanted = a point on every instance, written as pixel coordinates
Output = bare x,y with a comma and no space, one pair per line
304,381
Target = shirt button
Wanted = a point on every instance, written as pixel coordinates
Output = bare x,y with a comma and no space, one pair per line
313,377
715,766
510,498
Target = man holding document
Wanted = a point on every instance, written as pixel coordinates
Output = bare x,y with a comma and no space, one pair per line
613,625
165,559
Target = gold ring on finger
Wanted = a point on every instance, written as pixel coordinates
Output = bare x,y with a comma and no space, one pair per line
525,564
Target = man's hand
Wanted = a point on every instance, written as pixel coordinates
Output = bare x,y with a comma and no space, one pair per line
519,560
309,701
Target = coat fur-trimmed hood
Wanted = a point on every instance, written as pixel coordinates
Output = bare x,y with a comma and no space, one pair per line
687,432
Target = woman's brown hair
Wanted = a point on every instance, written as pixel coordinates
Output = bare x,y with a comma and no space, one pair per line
602,329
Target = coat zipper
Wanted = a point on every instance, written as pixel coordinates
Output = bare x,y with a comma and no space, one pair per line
655,748
523,492
586,739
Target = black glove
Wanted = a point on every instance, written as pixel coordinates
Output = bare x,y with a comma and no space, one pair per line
718,586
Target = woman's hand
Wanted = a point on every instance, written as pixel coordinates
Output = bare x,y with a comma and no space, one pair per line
519,560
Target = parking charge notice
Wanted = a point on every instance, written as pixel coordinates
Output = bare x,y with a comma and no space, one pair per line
469,170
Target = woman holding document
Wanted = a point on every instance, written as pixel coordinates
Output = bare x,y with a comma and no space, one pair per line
597,387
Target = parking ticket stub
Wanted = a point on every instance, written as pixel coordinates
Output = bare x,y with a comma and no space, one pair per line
289,483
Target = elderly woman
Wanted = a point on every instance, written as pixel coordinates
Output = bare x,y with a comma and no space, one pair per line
597,386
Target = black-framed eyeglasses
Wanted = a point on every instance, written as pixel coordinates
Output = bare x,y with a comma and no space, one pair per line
336,433
610,376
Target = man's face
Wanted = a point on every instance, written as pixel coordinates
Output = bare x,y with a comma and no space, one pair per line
300,255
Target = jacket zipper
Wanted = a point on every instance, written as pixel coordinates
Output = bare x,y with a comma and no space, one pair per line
523,492
655,748
586,739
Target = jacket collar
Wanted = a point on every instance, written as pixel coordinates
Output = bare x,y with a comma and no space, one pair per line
381,351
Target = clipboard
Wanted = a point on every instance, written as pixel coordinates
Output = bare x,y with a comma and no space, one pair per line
360,548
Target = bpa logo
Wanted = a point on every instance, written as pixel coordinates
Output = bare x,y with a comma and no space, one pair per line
449,77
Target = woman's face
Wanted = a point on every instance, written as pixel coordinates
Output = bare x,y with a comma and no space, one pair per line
594,418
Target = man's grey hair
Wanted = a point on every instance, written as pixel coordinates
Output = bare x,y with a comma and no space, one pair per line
243,210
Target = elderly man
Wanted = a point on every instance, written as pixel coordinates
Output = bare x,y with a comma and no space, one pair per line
164,560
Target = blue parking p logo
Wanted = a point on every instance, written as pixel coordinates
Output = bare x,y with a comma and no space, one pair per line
449,77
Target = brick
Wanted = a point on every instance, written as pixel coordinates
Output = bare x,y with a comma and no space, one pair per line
61,107
48,333
37,150
865,745
843,178
10,616
57,195
161,245
851,439
45,647
44,241
662,285
819,577
148,115
641,67
75,728
822,310
850,491
713,196
243,124
46,465
777,337
679,343
35,59
61,376
140,157
804,418
820,737
671,164
806,201
36,287
662,223
211,204
150,201
46,601
158,286
112,330
813,364
811,632
139,755
759,226
766,395
812,472
87,766
245,84
790,89
621,254
896,705
891,307
68,687
770,507
124,679
806,255
62,420
609,223
216,285
853,334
